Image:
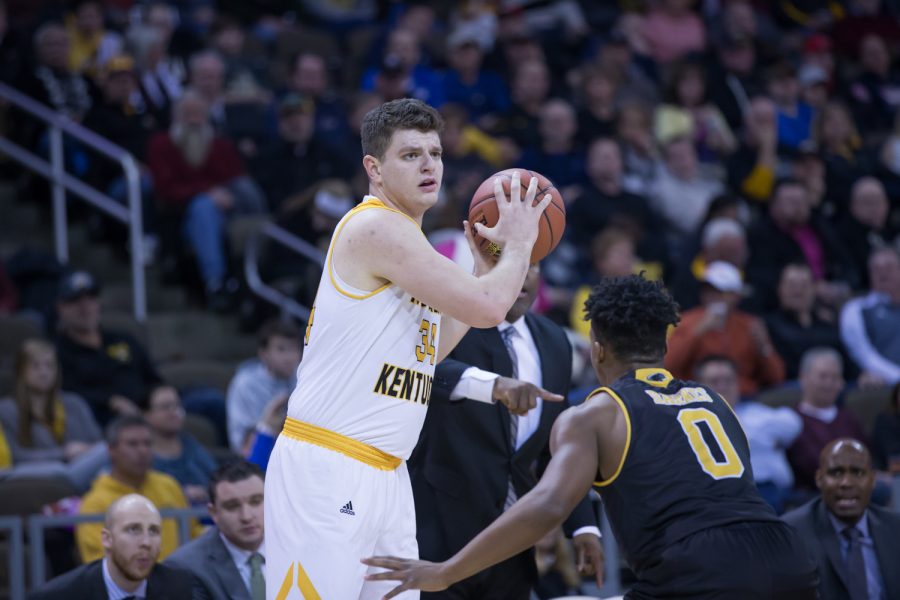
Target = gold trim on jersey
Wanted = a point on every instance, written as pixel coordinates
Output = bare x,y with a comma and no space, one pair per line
355,449
303,584
621,404
647,376
369,203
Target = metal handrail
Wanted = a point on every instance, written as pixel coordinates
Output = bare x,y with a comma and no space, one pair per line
15,562
55,171
251,266
38,523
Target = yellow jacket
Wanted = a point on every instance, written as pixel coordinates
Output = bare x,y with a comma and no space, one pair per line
159,488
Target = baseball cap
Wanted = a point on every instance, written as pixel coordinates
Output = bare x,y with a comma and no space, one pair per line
294,102
723,276
332,204
817,44
76,284
811,75
391,66
461,36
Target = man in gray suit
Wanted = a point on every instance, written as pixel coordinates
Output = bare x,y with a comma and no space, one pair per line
228,561
857,546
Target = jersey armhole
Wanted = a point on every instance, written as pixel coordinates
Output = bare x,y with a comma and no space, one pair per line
337,283
624,410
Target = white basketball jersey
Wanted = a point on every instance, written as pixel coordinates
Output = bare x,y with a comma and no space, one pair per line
369,359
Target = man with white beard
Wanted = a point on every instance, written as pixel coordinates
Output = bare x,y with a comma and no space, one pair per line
200,178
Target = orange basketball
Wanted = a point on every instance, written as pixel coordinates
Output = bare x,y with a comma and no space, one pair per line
483,209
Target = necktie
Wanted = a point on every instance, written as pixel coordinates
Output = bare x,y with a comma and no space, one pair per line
508,335
257,581
856,566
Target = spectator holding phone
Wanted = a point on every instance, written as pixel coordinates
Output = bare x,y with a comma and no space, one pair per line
718,327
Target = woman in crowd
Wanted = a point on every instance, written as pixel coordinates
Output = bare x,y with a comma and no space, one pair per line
49,432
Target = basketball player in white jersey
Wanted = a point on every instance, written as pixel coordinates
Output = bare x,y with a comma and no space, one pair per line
388,308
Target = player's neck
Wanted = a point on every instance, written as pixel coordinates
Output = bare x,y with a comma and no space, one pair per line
390,202
615,369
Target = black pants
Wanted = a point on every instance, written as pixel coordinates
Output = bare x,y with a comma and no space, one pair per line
742,561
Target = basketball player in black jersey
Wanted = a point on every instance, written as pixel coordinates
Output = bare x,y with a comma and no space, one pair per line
671,463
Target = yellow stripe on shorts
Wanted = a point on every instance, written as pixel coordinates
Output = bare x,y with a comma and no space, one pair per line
303,584
355,449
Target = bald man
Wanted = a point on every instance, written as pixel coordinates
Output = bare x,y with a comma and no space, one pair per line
857,546
128,570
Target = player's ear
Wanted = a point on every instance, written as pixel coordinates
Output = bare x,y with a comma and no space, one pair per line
373,168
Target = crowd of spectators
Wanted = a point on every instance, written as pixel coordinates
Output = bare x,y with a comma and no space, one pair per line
745,152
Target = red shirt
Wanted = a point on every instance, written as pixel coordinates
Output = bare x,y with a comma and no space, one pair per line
755,370
176,182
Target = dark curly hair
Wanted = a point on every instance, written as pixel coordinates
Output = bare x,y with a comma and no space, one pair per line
632,316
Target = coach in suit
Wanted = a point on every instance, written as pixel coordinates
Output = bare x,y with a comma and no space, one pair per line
228,561
857,546
481,447
128,570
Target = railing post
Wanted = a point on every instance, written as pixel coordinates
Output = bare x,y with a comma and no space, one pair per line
57,163
16,558
136,237
36,549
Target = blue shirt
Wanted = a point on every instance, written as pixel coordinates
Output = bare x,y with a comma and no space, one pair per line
794,130
486,96
193,467
873,573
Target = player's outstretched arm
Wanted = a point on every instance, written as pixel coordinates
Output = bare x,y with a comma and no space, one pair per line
391,248
567,479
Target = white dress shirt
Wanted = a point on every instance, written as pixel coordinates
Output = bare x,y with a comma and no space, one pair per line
478,384
241,558
114,592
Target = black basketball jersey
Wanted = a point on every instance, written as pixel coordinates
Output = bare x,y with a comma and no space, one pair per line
686,466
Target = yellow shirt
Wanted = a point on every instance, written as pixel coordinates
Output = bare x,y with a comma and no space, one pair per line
5,454
159,488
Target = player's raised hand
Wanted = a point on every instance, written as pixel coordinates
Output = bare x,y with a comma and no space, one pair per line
518,216
520,396
590,558
412,574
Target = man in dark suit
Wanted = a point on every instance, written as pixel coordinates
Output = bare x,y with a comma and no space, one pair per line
857,546
128,571
228,561
486,434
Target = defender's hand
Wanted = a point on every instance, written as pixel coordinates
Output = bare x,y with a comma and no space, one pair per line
412,574
520,396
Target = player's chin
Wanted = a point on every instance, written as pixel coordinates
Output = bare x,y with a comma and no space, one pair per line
428,195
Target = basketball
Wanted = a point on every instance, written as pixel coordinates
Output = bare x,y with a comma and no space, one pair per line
483,209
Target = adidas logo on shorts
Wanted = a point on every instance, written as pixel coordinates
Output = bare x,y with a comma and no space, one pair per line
347,509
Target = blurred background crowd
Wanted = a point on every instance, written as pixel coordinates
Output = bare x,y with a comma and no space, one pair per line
745,152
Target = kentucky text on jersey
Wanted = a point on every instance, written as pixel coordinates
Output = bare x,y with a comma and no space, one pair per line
418,303
687,395
406,384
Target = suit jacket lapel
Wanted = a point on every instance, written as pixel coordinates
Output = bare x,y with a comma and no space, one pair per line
883,546
826,534
95,585
225,569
